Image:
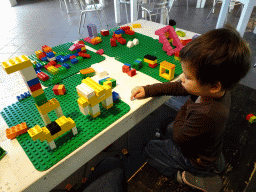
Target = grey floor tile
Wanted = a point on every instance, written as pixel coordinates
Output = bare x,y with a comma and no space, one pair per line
68,39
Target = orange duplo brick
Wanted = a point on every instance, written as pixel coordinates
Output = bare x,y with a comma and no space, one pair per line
86,71
16,130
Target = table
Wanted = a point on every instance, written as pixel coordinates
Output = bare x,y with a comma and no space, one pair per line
17,172
244,18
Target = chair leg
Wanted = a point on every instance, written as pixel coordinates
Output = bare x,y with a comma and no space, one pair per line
214,3
240,9
84,18
81,17
210,12
126,13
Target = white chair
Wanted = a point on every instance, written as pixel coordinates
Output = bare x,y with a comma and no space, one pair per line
231,5
88,8
65,1
125,2
172,1
155,6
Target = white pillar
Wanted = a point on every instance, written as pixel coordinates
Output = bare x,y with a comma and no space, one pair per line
117,11
245,16
134,4
223,13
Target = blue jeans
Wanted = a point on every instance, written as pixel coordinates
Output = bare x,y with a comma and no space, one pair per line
166,157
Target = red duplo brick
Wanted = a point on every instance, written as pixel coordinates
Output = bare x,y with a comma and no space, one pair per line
177,54
113,42
121,40
72,57
125,28
152,65
43,76
132,72
81,42
58,66
129,32
84,55
35,87
53,63
125,68
104,33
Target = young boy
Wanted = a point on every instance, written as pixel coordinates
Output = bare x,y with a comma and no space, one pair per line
212,64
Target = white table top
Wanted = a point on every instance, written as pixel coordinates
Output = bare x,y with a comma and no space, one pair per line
17,173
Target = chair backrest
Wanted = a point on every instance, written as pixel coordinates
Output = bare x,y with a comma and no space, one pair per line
159,3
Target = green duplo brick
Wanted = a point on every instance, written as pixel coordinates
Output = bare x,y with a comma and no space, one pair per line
136,66
41,99
72,52
55,79
79,58
62,70
113,83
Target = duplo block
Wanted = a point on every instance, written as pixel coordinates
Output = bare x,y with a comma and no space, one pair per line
132,72
104,32
59,89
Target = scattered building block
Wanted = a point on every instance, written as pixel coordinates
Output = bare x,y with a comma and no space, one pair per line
16,130
43,76
59,89
167,70
135,42
100,51
132,72
121,40
130,44
113,42
89,72
136,25
104,32
115,96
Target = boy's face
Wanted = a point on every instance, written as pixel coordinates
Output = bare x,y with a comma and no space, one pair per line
191,84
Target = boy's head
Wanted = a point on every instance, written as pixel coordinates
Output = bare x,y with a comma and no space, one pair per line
218,59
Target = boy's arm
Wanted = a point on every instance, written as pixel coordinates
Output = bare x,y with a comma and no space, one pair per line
168,88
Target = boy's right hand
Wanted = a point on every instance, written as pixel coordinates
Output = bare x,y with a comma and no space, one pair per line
138,93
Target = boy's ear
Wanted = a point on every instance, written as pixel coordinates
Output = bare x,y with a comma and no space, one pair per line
215,88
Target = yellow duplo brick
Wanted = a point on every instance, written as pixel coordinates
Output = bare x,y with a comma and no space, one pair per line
150,61
108,79
49,106
136,25
54,52
50,68
35,132
94,85
15,64
38,53
71,121
83,48
37,92
108,83
98,39
83,102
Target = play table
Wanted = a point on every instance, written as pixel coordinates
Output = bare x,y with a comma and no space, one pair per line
17,173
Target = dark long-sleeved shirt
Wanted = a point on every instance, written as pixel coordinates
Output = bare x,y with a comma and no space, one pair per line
198,128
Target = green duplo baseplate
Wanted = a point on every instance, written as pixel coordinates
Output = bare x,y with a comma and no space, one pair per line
39,153
147,45
2,153
74,68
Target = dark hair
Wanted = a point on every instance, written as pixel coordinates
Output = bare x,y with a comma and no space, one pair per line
220,55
